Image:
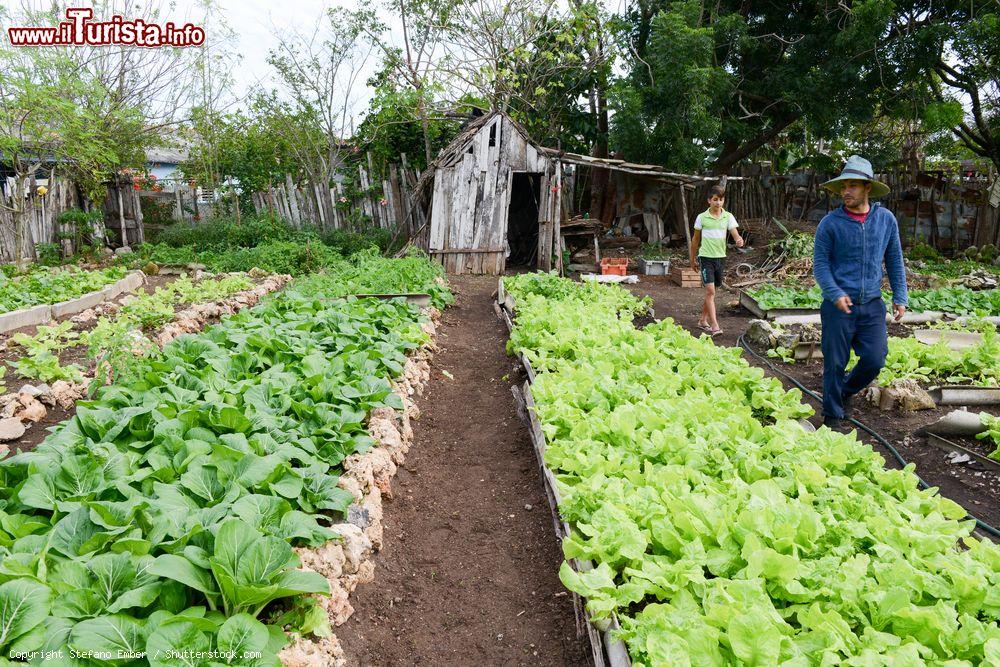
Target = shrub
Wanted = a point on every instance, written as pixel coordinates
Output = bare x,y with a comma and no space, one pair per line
924,251
349,242
225,233
294,257
82,226
49,254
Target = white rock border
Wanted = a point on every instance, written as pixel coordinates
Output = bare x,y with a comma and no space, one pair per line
367,477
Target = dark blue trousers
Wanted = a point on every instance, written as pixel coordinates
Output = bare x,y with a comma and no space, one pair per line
864,331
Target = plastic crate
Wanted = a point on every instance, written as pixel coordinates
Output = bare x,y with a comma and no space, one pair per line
614,266
654,267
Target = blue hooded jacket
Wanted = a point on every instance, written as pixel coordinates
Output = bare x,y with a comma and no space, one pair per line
848,256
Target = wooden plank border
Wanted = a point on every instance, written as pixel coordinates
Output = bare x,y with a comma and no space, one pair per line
607,650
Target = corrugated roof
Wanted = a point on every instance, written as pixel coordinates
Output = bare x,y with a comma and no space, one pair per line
167,155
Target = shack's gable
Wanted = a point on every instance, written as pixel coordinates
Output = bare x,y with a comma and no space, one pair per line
471,195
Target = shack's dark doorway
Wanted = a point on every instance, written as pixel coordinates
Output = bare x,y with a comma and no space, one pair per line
522,219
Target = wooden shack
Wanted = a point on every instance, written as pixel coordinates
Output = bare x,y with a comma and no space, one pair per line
492,190
493,198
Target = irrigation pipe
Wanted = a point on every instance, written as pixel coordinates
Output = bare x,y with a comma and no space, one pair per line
982,525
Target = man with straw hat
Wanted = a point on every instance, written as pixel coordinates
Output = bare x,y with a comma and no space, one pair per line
853,243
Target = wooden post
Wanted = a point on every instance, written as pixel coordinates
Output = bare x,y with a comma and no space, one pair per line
194,202
934,218
405,194
377,216
341,215
293,204
334,213
557,223
682,214
140,232
121,212
320,213
179,205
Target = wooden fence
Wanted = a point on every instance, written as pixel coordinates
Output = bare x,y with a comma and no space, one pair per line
41,213
122,215
384,202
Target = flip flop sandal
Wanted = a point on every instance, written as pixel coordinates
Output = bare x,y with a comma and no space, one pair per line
705,327
715,332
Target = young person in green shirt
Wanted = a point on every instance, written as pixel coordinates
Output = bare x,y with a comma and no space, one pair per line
709,246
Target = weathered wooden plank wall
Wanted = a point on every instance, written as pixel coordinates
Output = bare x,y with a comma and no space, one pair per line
123,214
42,212
471,198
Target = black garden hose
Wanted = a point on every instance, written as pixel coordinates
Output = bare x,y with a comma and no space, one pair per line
982,525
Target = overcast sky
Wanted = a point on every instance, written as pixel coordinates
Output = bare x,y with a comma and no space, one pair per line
255,24
255,21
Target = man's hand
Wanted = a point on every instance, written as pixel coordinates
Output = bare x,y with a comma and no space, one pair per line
844,303
694,265
739,241
900,311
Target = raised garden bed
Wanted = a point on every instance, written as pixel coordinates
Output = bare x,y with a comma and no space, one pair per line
44,314
751,304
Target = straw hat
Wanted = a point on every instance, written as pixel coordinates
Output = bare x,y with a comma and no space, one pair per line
857,169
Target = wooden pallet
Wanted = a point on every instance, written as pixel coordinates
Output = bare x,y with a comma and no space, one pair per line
685,277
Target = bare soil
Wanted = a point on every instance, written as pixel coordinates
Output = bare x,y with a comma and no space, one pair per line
975,488
468,574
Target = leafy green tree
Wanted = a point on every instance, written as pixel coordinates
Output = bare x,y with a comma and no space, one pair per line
965,70
251,148
319,74
52,119
413,67
393,123
710,84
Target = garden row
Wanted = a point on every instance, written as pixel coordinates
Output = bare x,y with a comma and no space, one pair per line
158,524
926,360
721,531
955,300
56,365
43,285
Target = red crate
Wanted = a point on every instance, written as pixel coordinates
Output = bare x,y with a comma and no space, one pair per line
614,266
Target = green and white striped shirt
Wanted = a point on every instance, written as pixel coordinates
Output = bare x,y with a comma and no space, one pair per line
713,232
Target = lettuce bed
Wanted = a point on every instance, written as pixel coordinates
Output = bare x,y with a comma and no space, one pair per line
722,532
977,365
44,285
956,300
161,518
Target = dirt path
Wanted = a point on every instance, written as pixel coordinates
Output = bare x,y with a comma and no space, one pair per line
468,574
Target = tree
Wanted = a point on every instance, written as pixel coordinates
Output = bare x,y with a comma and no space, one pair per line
152,88
245,147
400,121
966,70
89,110
511,53
217,143
412,68
319,74
712,84
52,118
